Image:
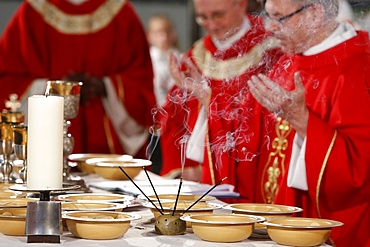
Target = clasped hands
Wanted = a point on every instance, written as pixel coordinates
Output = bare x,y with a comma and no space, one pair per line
290,105
92,87
189,79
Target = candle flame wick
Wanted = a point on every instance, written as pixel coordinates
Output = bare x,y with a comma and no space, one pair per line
47,91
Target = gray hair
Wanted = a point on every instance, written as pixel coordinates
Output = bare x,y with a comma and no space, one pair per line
331,6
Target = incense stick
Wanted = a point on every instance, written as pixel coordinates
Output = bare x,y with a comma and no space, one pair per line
155,192
140,190
200,198
177,197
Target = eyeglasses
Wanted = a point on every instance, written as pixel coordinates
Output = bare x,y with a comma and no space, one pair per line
281,19
215,16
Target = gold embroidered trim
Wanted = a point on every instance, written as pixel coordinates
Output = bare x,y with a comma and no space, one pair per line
224,69
279,144
108,134
325,162
210,162
121,91
78,24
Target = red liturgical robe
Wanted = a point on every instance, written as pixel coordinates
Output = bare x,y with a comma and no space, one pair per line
337,157
232,141
49,39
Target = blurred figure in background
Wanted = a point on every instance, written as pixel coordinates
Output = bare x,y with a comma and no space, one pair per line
101,43
162,38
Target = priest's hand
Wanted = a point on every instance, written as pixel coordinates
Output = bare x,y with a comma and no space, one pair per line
93,87
187,76
289,105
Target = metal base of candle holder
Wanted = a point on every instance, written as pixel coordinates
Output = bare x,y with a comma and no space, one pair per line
43,219
44,222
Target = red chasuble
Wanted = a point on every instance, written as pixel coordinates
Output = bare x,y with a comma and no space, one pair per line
233,140
49,39
337,83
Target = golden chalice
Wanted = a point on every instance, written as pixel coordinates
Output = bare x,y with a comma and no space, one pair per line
70,91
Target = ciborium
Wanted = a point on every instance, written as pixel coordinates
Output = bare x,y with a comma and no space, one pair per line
70,90
20,148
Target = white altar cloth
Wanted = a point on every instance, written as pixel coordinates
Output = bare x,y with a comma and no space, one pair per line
141,232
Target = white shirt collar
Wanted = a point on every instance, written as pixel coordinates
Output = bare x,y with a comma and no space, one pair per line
226,44
344,32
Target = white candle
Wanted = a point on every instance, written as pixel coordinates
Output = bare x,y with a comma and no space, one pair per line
45,142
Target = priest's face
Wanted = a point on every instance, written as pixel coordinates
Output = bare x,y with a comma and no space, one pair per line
220,18
290,22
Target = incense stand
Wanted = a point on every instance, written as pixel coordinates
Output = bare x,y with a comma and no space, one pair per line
169,224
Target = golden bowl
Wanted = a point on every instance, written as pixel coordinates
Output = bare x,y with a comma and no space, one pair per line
16,202
298,231
168,207
223,227
96,197
5,186
79,160
13,221
98,225
268,211
108,168
7,194
92,206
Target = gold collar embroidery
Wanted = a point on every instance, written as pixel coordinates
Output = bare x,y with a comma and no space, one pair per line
78,24
224,69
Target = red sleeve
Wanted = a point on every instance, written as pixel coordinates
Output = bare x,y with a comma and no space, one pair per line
19,62
136,74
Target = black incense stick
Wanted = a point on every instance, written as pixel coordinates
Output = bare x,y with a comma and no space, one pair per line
155,192
200,198
140,190
177,197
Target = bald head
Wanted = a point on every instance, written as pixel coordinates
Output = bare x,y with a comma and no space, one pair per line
220,18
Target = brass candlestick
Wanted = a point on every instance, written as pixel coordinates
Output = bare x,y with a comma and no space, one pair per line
70,91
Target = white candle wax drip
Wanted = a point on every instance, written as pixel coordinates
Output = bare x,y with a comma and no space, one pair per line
45,142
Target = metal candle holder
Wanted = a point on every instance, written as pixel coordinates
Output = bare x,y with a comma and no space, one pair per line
70,91
43,219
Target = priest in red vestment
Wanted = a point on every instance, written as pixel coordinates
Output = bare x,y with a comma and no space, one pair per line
212,124
321,89
101,43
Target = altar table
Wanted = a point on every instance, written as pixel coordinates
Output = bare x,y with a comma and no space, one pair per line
141,232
